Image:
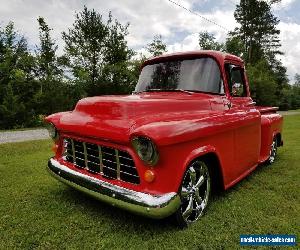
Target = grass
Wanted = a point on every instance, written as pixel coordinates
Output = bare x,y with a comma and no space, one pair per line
36,211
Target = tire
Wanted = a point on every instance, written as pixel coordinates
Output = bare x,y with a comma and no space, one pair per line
194,193
273,151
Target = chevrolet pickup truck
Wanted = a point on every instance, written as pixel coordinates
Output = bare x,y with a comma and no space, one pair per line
190,126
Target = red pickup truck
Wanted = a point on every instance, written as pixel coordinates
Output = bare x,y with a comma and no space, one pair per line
190,126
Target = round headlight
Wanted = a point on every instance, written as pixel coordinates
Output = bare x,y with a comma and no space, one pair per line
52,131
145,149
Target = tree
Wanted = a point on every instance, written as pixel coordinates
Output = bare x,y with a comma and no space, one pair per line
259,36
257,30
262,83
17,83
157,46
207,41
97,53
295,93
53,94
234,45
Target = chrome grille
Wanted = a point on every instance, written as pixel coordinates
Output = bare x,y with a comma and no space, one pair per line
108,162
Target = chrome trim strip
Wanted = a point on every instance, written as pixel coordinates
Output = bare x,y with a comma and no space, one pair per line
118,163
153,206
73,152
100,159
85,155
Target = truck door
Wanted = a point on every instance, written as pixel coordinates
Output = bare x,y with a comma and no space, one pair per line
246,120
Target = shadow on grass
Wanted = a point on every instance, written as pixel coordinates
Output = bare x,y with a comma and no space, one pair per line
96,209
122,218
261,168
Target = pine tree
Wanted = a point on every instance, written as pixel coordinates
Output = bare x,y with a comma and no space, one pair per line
46,53
52,96
17,83
257,30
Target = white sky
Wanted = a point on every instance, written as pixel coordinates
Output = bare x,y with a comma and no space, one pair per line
147,18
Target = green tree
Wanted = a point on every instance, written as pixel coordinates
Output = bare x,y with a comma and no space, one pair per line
97,53
257,30
262,83
17,82
295,93
53,95
207,41
259,38
234,45
157,46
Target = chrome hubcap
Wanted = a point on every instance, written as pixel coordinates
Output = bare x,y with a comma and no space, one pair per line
195,191
273,151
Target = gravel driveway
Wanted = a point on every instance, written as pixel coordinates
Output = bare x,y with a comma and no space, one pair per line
25,135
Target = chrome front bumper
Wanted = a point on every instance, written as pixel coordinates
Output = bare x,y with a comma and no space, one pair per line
153,206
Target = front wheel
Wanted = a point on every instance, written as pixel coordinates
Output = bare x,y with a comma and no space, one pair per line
194,193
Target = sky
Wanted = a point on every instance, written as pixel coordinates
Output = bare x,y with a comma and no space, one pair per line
178,27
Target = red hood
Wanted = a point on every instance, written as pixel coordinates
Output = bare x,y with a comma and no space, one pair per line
117,117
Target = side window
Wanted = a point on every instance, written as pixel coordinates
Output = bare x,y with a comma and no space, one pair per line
236,81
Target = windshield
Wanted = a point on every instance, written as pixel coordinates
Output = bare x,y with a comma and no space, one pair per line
202,74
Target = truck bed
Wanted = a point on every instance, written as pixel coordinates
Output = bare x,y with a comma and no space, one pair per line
265,110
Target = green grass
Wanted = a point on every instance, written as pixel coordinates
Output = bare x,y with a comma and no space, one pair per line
37,211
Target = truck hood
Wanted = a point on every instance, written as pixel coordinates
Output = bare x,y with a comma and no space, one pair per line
116,118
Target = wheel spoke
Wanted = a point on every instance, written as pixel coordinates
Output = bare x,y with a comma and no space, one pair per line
189,209
200,181
198,197
192,174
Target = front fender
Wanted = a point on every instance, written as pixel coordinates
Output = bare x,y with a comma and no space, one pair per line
182,129
198,152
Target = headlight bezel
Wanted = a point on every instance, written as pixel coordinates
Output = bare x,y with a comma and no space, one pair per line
52,130
137,143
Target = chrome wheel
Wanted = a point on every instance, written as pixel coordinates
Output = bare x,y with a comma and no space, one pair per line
194,193
273,151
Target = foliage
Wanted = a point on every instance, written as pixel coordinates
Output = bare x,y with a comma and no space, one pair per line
256,40
17,82
234,45
257,30
262,84
53,95
157,46
207,41
97,54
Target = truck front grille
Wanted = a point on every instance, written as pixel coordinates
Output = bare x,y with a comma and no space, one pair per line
109,162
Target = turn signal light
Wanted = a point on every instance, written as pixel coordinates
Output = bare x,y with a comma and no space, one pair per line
54,148
149,176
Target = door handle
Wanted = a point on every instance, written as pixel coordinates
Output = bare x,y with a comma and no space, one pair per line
227,104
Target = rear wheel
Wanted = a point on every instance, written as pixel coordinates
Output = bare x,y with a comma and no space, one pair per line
194,193
273,151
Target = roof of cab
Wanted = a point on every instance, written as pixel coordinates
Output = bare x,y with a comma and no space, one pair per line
220,56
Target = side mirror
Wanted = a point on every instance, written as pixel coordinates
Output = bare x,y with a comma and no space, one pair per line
237,89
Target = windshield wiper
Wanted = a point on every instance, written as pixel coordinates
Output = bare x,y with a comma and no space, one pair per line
167,90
